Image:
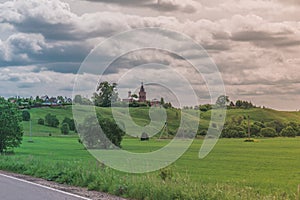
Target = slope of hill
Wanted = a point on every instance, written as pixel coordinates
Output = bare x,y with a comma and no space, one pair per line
141,117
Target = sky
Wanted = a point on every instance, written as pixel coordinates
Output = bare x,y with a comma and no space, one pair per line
255,45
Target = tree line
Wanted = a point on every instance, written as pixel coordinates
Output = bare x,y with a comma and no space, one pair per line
237,127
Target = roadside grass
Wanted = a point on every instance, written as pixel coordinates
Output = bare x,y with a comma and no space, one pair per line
268,169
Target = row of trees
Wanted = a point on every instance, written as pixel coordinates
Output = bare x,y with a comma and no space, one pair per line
67,124
237,127
222,102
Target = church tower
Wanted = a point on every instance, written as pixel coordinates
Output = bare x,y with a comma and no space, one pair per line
142,94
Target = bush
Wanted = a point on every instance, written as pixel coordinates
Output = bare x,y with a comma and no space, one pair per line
26,115
295,126
51,120
288,132
65,129
70,122
233,131
255,130
202,132
268,132
41,121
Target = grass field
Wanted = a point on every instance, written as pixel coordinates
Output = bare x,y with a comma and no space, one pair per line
141,117
268,169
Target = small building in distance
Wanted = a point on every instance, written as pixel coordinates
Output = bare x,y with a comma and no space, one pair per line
155,103
129,99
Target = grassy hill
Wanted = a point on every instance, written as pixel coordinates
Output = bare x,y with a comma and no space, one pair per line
141,117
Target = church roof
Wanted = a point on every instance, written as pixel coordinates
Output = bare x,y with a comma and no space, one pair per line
142,88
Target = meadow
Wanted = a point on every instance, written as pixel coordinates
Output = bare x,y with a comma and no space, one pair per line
267,169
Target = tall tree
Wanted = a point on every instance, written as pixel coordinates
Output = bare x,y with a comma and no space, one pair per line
222,101
107,94
77,99
93,139
11,131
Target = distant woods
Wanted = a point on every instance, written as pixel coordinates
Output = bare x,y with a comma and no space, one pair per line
223,102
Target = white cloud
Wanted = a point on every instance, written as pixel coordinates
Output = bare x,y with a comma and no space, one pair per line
255,43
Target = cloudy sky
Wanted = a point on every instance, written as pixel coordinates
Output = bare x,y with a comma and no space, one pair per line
254,43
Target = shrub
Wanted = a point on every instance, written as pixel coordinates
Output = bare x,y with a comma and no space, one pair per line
295,126
233,131
51,120
65,129
26,115
70,122
255,130
268,132
288,132
41,121
202,132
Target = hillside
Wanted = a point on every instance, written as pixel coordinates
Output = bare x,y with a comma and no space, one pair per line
141,117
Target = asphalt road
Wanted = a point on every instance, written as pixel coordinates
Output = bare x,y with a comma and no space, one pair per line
16,189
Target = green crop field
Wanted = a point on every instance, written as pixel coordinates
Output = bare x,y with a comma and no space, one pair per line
267,169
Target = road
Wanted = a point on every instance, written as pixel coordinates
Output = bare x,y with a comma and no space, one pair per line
16,189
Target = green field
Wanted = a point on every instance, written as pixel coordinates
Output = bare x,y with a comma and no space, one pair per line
267,169
141,117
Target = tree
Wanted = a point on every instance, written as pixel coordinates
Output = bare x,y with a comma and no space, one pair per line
288,132
268,132
70,123
135,96
205,107
107,94
25,115
10,126
51,120
232,130
222,101
295,126
41,121
93,139
65,129
277,125
78,99
255,129
162,101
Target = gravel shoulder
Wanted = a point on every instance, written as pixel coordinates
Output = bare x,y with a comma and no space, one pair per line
94,195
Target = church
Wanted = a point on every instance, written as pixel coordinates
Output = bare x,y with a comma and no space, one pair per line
142,98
